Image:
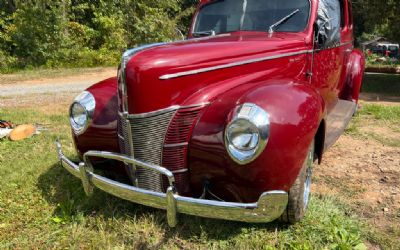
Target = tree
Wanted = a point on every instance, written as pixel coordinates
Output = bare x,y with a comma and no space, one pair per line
377,18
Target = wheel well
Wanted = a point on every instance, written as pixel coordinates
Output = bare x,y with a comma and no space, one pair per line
320,141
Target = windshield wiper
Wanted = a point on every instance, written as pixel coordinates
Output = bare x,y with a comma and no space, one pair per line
204,33
283,20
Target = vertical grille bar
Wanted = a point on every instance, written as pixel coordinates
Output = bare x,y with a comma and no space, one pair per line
176,146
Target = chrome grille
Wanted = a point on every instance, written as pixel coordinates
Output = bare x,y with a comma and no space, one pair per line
177,145
143,138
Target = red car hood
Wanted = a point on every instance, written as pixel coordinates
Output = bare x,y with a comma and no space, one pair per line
148,91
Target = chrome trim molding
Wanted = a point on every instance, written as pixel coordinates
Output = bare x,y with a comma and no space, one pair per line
126,56
176,145
335,46
130,52
240,63
161,111
307,184
180,171
229,65
269,207
150,114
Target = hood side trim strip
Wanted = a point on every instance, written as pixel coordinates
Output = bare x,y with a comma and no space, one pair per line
229,65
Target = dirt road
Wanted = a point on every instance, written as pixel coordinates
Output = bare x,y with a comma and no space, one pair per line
10,86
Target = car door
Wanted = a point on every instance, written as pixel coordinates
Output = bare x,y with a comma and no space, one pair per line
347,44
328,50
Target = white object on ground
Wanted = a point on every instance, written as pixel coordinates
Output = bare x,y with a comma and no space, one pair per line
5,132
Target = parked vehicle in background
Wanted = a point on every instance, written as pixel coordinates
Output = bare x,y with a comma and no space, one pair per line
386,49
228,123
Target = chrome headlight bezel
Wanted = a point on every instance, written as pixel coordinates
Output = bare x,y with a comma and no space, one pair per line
256,121
86,101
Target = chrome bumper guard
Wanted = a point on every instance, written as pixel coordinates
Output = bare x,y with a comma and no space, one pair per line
269,207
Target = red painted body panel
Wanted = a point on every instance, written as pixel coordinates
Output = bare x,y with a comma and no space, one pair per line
295,111
354,76
102,133
146,92
282,86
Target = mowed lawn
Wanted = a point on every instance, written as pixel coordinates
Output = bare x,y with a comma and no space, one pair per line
43,206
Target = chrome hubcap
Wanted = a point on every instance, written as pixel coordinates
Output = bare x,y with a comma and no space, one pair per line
307,183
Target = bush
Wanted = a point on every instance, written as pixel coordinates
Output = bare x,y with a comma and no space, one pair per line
7,63
380,61
81,33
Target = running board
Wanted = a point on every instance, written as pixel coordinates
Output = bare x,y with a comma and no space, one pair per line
337,121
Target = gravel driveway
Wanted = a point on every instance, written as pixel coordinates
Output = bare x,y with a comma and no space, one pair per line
24,89
56,85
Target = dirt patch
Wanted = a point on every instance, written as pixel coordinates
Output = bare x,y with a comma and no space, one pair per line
55,84
384,132
58,77
50,103
386,70
382,99
365,173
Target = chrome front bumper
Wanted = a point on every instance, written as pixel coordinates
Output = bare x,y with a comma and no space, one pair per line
269,207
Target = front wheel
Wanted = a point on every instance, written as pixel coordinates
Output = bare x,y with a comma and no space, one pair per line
299,194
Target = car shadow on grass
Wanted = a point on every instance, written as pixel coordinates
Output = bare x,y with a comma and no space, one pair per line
64,191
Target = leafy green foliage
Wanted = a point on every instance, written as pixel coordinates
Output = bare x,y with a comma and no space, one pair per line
76,33
377,18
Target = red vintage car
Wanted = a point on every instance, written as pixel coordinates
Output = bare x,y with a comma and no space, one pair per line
228,123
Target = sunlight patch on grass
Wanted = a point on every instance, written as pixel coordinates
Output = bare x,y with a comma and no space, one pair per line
380,112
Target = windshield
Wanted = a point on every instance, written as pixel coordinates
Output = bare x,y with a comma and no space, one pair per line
252,15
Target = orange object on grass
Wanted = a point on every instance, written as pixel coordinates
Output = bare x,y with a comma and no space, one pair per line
22,132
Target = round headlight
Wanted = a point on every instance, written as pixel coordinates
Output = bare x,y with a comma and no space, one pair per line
81,112
247,133
78,114
243,135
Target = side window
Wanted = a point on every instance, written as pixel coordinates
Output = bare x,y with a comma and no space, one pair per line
328,23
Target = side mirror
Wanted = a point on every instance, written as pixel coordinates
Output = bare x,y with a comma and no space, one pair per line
320,35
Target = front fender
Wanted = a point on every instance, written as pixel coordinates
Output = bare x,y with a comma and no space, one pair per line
296,111
101,135
354,76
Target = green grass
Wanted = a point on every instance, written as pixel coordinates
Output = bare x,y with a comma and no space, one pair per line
384,113
382,84
43,206
387,116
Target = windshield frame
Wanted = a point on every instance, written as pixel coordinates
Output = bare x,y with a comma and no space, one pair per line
194,22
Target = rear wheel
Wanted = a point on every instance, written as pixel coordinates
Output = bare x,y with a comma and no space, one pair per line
299,194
